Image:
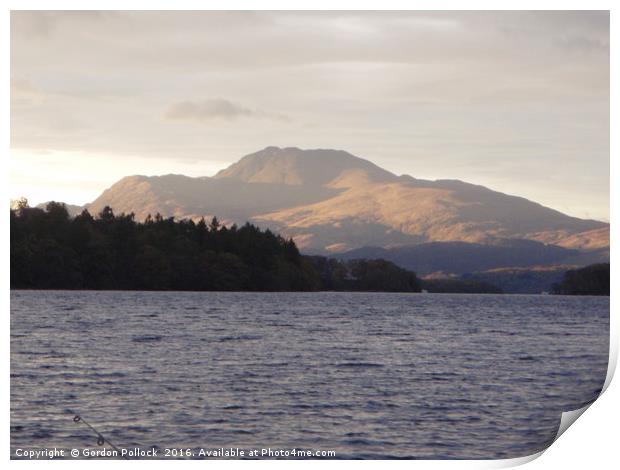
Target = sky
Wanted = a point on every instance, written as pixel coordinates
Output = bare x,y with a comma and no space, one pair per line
516,101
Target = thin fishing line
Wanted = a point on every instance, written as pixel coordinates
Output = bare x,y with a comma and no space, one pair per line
100,438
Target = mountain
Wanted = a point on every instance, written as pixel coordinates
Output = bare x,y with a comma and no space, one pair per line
330,201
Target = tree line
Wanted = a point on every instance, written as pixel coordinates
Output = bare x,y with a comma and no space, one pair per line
590,280
51,250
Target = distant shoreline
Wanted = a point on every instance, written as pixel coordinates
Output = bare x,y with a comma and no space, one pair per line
502,294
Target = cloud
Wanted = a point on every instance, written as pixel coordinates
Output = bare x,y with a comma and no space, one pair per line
434,94
42,24
217,109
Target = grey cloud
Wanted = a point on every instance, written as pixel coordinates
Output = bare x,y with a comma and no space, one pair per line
216,109
211,40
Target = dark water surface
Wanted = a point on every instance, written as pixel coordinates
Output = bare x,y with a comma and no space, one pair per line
364,374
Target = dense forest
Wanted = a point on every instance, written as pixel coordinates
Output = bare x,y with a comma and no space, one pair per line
51,250
591,280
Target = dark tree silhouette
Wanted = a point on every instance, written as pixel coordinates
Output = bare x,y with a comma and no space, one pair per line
50,250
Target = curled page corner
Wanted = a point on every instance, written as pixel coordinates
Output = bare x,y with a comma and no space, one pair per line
613,361
517,461
568,418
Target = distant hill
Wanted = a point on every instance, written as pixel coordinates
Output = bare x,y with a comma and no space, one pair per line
462,257
532,280
330,201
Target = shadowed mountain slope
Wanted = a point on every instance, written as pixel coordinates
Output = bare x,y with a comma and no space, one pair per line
461,258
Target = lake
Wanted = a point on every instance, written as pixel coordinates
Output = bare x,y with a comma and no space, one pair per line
367,375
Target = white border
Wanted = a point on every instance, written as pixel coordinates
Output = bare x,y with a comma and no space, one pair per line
592,442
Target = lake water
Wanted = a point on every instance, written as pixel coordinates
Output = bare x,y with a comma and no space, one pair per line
367,375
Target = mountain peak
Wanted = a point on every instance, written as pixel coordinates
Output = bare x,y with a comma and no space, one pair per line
294,166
